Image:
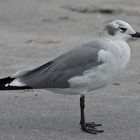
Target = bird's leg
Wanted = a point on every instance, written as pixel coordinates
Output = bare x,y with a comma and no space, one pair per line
87,127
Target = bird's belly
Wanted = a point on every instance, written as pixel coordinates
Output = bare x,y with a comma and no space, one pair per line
92,79
95,78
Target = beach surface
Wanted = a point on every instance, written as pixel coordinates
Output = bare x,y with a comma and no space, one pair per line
33,32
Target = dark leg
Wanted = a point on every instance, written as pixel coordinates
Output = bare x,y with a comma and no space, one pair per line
87,127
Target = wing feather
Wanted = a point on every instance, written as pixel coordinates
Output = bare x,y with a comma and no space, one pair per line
56,73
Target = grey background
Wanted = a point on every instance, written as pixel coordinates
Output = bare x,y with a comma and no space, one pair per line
33,32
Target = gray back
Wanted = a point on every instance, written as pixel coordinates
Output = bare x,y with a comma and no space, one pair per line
56,73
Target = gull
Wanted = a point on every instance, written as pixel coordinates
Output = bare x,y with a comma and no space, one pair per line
88,67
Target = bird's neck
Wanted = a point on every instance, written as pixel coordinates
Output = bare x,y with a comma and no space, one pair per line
118,37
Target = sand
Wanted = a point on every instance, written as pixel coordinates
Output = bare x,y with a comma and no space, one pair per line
33,32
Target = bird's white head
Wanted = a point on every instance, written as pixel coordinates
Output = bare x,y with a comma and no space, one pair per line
120,30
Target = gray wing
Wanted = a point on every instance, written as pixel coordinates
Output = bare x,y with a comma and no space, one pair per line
56,73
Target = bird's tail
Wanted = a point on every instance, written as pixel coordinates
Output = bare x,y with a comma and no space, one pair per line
5,84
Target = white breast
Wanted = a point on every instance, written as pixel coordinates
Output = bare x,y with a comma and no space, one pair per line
116,57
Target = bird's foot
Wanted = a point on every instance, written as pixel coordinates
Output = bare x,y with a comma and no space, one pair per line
91,128
92,124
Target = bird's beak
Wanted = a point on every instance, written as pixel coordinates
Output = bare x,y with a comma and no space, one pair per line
137,34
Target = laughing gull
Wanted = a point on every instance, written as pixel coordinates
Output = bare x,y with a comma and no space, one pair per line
86,68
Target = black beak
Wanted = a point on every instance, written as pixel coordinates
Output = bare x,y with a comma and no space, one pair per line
137,34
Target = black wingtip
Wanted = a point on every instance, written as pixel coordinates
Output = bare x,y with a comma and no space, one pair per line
8,80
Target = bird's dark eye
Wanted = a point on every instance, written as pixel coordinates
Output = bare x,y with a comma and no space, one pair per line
123,29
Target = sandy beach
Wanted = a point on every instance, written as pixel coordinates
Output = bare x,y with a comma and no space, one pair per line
33,32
